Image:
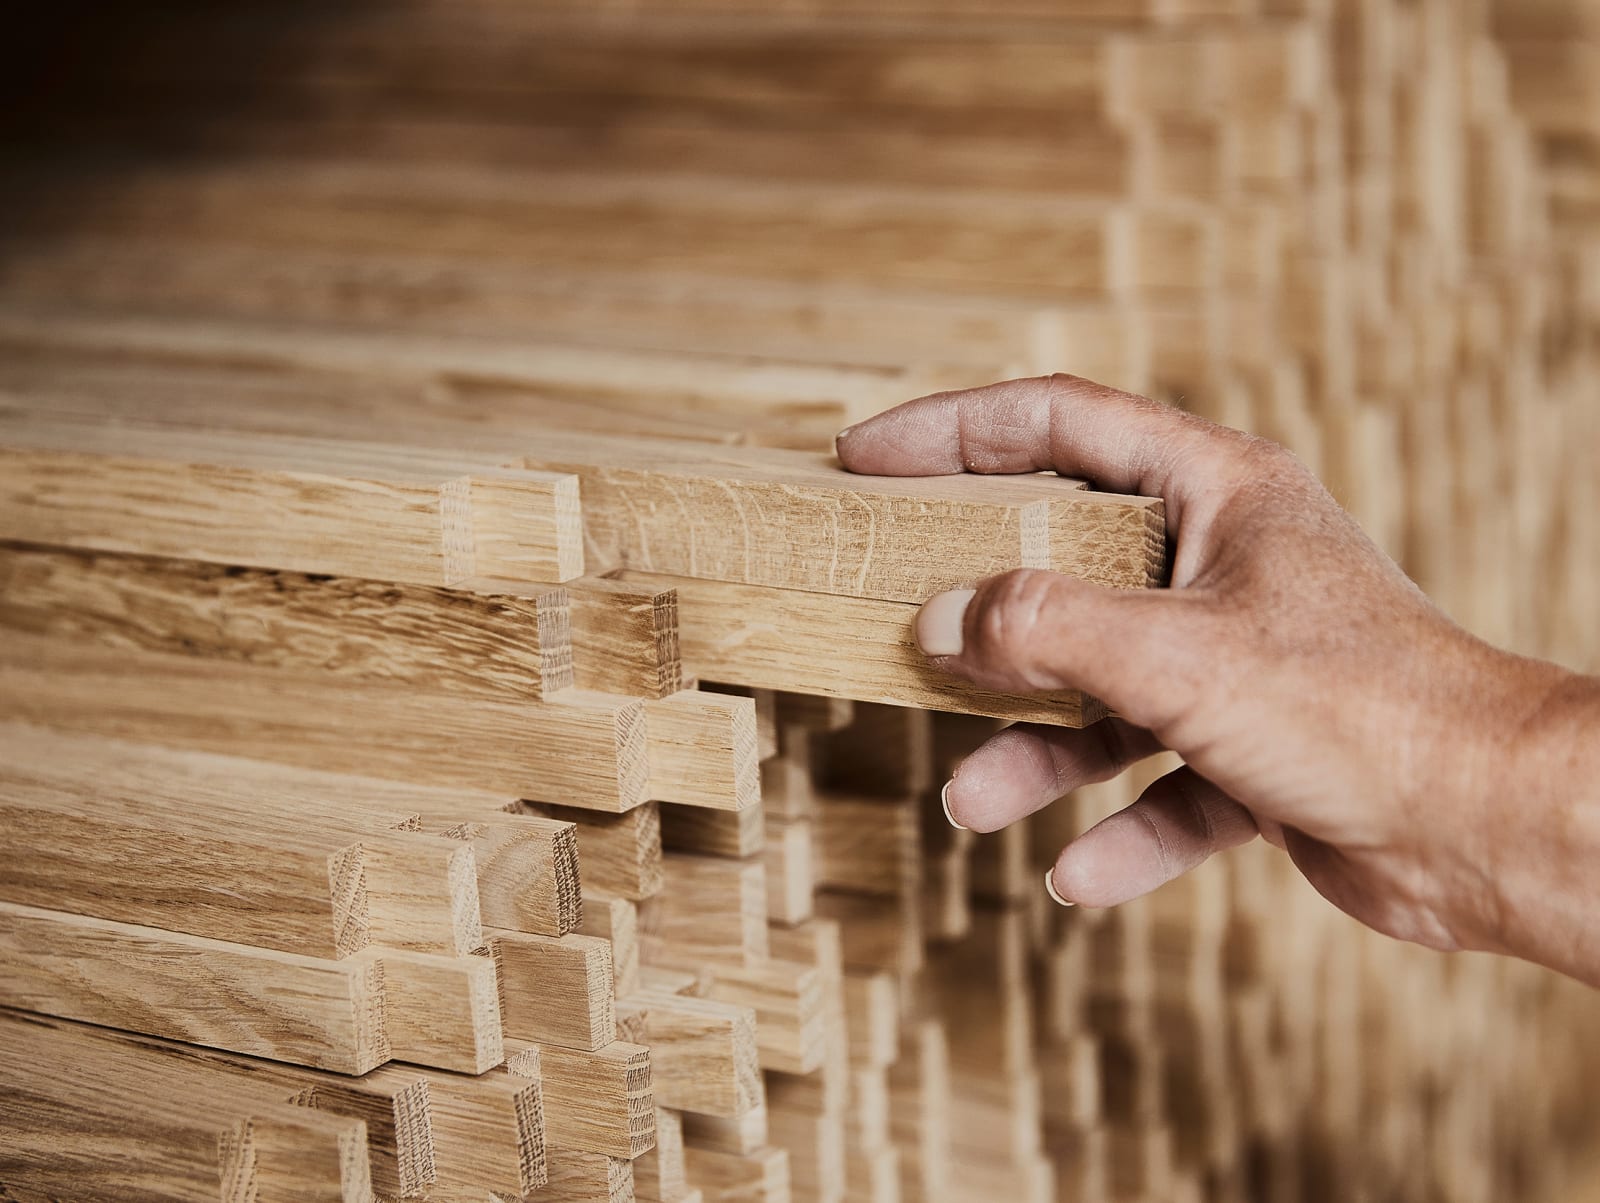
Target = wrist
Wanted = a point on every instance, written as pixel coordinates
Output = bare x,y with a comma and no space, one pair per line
1537,795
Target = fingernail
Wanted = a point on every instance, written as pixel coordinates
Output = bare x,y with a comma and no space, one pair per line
944,799
939,622
843,435
1050,888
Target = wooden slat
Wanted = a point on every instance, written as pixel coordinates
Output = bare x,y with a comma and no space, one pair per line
449,641
555,992
621,853
585,749
599,1101
229,849
81,1108
627,636
326,1014
703,1054
750,635
702,750
300,505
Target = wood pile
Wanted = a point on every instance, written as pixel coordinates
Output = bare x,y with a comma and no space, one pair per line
462,738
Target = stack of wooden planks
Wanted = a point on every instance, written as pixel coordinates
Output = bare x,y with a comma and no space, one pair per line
462,737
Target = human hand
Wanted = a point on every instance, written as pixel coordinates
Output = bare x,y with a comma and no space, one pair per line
1315,694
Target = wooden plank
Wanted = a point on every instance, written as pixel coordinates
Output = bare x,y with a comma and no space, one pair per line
713,910
761,1177
713,832
488,1134
599,1101
226,848
510,645
527,869
753,636
703,1054
868,845
442,1012
167,1130
659,1175
621,853
790,861
576,1176
617,921
297,504
325,1014
703,750
794,520
789,1002
555,992
586,750
625,636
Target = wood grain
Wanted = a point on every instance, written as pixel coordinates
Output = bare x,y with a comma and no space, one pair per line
555,992
702,749
295,504
585,749
452,641
754,636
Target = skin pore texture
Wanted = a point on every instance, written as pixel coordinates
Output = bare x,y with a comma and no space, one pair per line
1436,788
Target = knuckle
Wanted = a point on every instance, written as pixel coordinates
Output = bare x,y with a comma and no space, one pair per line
1012,610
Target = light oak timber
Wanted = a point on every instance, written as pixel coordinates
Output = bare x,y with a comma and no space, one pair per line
789,1002
488,1134
658,1173
1044,247
761,1177
876,328
794,520
477,643
617,921
872,1003
442,1012
790,861
712,910
626,637
744,1134
527,380
325,1014
621,853
815,1142
751,635
713,832
766,701
287,1154
218,849
868,845
297,504
586,750
596,1102
703,750
813,520
527,868
555,992
919,1109
875,932
884,752
576,1176
162,1133
703,1053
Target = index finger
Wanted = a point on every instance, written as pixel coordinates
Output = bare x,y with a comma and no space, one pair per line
1120,442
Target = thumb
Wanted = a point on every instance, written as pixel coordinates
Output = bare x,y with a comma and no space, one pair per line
1030,631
